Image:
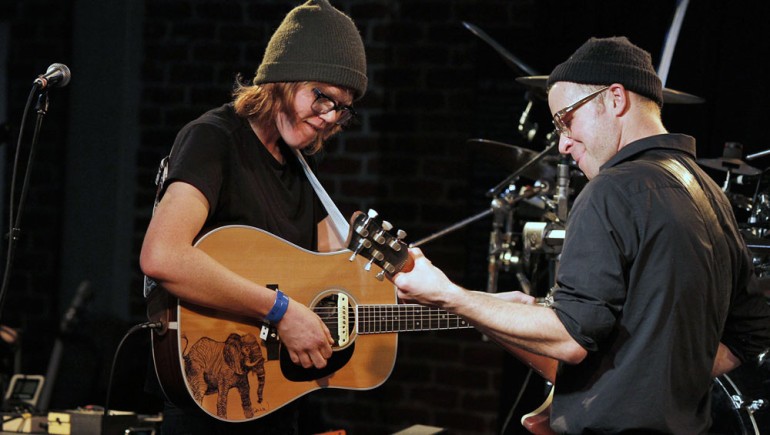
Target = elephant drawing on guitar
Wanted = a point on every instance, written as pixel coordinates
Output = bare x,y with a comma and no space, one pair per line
215,367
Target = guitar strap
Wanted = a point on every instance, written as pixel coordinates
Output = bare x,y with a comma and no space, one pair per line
160,181
687,179
339,223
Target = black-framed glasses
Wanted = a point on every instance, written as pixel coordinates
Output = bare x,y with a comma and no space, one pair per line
324,104
559,118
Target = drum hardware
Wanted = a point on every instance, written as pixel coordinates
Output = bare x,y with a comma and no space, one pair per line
731,411
526,166
527,128
763,359
758,155
504,194
501,253
512,159
739,402
545,237
730,162
519,67
511,198
505,197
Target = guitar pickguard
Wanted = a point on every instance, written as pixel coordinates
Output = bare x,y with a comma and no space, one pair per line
295,373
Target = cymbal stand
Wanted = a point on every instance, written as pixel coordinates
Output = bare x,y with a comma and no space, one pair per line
754,217
726,186
505,183
467,221
500,254
757,155
495,191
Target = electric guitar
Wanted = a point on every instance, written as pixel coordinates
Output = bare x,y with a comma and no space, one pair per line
234,367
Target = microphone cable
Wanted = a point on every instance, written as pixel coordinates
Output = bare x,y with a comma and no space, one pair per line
135,328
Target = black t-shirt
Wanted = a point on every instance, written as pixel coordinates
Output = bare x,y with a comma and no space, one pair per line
220,155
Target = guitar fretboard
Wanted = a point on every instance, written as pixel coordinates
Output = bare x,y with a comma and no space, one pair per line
376,319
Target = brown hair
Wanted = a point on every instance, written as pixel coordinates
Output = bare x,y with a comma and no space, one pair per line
261,103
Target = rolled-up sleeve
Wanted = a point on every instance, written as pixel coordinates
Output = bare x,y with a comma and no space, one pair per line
591,283
747,328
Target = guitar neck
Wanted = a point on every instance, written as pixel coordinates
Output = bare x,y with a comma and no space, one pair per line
380,319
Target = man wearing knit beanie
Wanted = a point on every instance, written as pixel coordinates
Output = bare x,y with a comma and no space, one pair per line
238,169
651,298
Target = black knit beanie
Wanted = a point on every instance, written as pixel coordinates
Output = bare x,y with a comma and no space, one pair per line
604,61
315,42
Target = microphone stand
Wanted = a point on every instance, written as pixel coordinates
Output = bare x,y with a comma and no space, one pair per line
15,229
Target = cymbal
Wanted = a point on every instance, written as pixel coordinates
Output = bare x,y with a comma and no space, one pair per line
735,166
670,96
510,158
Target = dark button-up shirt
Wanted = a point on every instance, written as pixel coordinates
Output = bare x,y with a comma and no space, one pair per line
649,285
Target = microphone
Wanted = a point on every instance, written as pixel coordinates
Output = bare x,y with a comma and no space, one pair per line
562,195
82,296
57,76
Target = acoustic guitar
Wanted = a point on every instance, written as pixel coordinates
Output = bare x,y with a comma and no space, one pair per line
235,369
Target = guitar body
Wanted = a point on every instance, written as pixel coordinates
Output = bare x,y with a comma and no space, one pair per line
218,361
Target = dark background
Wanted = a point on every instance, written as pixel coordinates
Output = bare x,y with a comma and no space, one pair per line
142,69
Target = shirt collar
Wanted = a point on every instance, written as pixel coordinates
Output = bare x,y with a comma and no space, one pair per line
676,142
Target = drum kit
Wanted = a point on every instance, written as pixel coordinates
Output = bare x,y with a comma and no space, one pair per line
529,211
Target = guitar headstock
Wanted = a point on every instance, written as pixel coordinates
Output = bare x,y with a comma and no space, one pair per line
369,237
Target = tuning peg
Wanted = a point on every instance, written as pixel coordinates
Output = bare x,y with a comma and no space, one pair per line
375,255
380,275
379,237
395,244
387,226
372,213
362,243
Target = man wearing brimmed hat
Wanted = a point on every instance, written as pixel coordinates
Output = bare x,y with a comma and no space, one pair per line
652,295
237,165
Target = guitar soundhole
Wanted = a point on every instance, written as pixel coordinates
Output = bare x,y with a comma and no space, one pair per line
332,306
335,310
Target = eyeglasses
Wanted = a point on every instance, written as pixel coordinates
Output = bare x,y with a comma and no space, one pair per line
559,118
323,104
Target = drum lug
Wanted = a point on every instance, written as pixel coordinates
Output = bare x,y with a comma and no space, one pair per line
755,405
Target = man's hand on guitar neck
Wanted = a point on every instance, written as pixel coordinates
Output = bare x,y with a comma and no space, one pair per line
512,319
305,336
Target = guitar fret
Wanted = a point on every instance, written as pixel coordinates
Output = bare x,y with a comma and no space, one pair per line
374,319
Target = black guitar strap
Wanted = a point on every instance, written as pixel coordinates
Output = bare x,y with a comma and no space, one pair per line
160,182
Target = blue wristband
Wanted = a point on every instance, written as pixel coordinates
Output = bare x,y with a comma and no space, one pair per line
279,308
